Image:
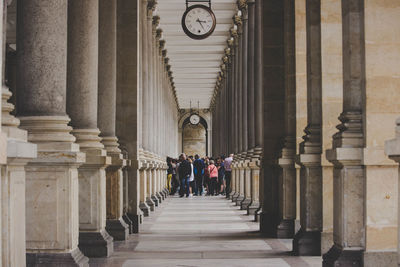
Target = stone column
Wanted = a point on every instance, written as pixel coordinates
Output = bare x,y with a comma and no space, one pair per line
234,57
244,101
12,185
127,128
392,149
82,106
308,240
115,225
254,172
52,190
258,104
274,110
240,172
287,178
144,114
149,200
347,147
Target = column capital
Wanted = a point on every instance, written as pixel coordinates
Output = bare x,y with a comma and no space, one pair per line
151,6
242,4
156,22
237,20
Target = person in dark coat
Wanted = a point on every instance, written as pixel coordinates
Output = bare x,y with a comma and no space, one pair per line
185,170
198,174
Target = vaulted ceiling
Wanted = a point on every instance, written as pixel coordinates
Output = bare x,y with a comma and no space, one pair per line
195,63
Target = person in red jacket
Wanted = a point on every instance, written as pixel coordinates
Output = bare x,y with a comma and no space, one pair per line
213,172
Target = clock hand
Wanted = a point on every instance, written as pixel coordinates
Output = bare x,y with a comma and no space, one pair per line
199,21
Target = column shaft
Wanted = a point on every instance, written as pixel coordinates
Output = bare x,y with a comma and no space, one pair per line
41,76
115,225
347,148
308,239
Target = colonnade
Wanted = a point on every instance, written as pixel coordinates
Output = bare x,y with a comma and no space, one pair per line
86,151
237,105
159,108
320,185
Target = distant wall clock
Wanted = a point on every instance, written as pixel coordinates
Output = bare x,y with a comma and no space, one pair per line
194,119
198,21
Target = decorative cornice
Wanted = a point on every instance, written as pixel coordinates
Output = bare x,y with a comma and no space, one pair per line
227,52
156,22
151,6
237,20
242,4
230,44
159,32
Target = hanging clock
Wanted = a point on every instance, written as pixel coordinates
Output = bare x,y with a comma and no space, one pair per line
198,21
194,119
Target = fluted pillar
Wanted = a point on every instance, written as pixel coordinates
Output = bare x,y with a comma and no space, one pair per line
82,106
253,163
245,107
240,72
287,178
144,109
347,147
258,105
308,240
19,152
41,87
273,119
115,225
127,128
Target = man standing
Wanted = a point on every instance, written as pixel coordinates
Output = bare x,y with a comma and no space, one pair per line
228,173
199,174
185,170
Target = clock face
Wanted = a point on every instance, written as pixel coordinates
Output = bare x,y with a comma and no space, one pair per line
198,22
194,119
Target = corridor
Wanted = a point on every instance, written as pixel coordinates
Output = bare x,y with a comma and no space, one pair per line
205,231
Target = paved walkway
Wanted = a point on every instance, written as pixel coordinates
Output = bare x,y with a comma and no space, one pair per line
202,231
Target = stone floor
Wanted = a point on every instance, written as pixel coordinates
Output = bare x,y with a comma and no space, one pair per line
202,231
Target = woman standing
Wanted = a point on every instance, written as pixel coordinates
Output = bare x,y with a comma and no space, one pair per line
191,178
213,172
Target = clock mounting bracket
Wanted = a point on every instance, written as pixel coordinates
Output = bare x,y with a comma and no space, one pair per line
198,1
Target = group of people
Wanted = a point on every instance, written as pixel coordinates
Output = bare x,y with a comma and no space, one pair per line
195,176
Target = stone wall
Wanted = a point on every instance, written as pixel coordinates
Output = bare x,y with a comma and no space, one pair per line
194,140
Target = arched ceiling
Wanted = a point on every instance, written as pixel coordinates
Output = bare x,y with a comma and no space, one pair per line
195,63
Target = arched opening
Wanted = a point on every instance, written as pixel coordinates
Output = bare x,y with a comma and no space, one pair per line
195,137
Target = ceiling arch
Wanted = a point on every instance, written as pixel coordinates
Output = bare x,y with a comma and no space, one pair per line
195,63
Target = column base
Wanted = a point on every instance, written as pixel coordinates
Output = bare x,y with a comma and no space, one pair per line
336,256
150,203
285,229
145,209
96,244
252,209
235,196
239,200
257,214
160,197
307,243
166,192
155,200
73,258
128,222
135,219
271,227
245,203
118,229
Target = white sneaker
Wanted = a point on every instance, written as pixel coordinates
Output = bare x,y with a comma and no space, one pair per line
190,195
